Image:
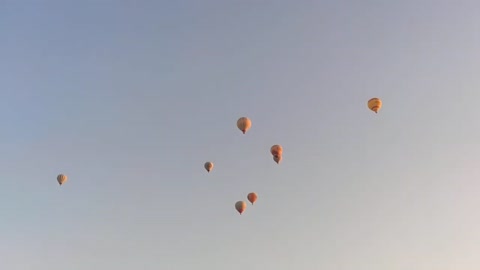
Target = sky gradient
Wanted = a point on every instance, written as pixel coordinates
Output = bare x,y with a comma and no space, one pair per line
131,99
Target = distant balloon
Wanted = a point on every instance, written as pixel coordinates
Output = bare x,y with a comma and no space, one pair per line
375,104
240,206
252,197
61,178
208,166
276,150
277,159
244,124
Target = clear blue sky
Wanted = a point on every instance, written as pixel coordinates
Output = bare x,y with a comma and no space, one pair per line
130,98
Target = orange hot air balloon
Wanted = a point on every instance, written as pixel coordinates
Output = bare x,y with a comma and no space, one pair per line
61,179
252,197
244,124
276,150
277,159
208,166
240,206
374,104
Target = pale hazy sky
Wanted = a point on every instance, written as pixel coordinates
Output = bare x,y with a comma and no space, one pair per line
130,98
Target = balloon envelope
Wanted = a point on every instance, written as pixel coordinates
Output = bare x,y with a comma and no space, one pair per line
244,124
276,150
240,206
374,104
61,179
208,166
252,197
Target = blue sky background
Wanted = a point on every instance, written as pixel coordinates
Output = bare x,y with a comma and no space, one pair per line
131,98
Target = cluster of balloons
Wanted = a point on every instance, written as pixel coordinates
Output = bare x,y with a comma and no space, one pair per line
244,124
241,206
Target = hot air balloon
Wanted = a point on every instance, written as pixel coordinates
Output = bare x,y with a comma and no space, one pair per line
375,104
244,124
61,178
240,206
277,159
276,150
208,166
252,197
